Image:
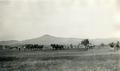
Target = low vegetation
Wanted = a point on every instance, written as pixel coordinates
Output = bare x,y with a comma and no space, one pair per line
85,57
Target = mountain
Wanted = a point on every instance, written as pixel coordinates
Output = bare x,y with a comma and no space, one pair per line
48,39
105,41
9,42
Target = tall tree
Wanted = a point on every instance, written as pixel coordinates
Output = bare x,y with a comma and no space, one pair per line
85,42
111,45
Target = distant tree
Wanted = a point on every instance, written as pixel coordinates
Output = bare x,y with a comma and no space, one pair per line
57,46
71,46
85,42
117,45
111,45
34,46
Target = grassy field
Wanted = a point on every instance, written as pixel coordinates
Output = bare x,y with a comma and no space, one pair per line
60,60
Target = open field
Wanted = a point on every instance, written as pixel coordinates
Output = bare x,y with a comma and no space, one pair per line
60,60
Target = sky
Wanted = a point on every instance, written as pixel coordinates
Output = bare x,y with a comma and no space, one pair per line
26,19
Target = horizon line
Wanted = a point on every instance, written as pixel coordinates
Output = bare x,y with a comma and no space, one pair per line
60,37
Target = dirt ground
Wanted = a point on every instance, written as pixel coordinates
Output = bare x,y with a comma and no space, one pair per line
99,59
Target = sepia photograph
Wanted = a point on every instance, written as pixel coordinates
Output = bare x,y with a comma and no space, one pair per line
59,35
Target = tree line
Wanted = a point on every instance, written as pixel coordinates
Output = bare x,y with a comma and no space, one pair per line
85,43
